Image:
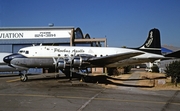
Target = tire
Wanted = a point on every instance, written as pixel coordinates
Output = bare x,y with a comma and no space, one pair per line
23,78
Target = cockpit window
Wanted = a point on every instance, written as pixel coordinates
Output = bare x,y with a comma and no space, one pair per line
21,51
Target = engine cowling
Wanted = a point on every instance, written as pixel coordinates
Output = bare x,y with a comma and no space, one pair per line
61,64
77,61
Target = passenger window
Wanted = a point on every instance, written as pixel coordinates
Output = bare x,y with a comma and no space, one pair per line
27,52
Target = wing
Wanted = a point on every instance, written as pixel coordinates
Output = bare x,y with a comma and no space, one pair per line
102,61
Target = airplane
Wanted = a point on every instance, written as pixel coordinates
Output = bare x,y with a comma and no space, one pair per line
75,58
4,67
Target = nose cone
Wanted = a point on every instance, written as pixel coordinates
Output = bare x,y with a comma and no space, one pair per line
7,59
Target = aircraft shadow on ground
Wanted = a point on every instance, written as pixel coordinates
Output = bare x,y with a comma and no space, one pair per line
126,85
95,79
107,80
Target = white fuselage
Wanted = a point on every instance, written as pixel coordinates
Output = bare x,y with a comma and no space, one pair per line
69,51
63,51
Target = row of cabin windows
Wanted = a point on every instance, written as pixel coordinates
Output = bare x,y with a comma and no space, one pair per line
100,55
78,55
27,52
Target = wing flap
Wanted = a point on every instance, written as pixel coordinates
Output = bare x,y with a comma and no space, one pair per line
102,61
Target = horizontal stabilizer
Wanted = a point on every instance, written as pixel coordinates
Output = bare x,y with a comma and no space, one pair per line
175,54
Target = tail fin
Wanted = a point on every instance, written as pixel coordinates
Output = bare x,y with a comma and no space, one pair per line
153,42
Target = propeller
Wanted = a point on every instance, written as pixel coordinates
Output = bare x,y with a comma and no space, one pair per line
55,65
70,60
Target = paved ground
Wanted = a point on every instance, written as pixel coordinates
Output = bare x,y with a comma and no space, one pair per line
44,93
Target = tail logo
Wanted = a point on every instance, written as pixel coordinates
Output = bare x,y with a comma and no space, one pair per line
150,39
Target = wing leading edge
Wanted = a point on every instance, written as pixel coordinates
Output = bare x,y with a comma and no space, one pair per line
105,60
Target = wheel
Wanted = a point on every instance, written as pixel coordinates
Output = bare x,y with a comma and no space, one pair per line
23,78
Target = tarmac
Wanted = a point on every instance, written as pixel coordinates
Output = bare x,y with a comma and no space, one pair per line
46,93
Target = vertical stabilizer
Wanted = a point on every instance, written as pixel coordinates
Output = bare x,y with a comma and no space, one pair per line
153,42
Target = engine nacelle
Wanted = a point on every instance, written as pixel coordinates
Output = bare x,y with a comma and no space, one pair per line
77,61
61,64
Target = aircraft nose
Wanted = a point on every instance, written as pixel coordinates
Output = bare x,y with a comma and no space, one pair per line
7,59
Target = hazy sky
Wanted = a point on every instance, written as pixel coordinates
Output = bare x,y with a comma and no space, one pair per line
122,22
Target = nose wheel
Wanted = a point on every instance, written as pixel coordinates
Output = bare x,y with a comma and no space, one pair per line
23,77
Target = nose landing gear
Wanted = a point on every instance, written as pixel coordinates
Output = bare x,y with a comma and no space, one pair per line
23,77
